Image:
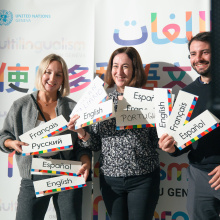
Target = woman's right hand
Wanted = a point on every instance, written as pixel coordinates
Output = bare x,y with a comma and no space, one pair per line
15,144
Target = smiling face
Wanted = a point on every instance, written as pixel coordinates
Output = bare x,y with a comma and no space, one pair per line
52,78
122,71
200,57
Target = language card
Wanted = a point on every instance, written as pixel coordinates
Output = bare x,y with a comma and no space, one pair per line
182,111
95,93
97,113
57,184
138,97
136,110
195,129
50,128
42,166
163,108
46,145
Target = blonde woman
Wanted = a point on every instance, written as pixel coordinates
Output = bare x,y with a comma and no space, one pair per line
48,102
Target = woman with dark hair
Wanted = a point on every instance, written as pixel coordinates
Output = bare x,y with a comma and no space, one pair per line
30,111
138,77
129,163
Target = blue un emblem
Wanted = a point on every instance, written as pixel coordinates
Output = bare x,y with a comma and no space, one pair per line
6,17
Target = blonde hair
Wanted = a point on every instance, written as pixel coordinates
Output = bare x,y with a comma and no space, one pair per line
65,87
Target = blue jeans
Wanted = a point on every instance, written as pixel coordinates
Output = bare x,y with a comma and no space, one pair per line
67,204
133,198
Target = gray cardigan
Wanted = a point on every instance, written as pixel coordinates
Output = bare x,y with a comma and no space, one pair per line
22,117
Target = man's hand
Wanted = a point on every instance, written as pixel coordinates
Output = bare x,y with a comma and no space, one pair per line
215,181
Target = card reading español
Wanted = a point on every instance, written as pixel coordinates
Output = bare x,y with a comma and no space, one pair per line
47,145
57,184
194,130
42,166
138,98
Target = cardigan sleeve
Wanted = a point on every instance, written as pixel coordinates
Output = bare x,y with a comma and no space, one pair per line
7,132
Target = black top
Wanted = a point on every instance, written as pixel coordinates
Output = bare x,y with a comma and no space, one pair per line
129,152
203,154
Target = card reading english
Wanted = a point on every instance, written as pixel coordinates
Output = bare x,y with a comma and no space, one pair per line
57,184
95,93
46,145
100,112
163,108
41,166
51,128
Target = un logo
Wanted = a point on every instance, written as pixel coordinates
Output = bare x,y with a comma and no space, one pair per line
6,17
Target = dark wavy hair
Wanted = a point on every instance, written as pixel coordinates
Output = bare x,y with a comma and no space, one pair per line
139,77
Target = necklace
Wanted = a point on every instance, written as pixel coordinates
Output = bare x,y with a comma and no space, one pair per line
47,103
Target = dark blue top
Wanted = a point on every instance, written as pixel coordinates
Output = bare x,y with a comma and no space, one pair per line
204,153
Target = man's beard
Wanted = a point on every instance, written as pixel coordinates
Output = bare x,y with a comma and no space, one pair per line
203,72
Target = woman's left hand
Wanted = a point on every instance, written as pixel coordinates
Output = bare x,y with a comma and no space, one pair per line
86,165
80,131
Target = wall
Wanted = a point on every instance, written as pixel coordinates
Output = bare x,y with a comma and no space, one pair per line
85,33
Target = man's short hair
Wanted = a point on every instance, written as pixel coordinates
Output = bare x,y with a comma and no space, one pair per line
203,36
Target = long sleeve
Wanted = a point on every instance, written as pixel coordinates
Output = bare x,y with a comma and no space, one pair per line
7,132
94,142
125,152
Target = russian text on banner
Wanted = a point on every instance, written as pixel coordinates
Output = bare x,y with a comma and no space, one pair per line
57,184
95,93
136,110
195,129
51,128
41,166
46,145
182,111
100,112
163,108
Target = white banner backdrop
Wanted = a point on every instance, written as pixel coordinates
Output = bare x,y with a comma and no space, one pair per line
30,30
85,33
158,30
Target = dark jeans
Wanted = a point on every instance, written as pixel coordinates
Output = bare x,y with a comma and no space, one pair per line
68,204
203,202
133,198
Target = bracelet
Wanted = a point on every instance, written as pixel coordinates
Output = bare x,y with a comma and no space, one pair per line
82,136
